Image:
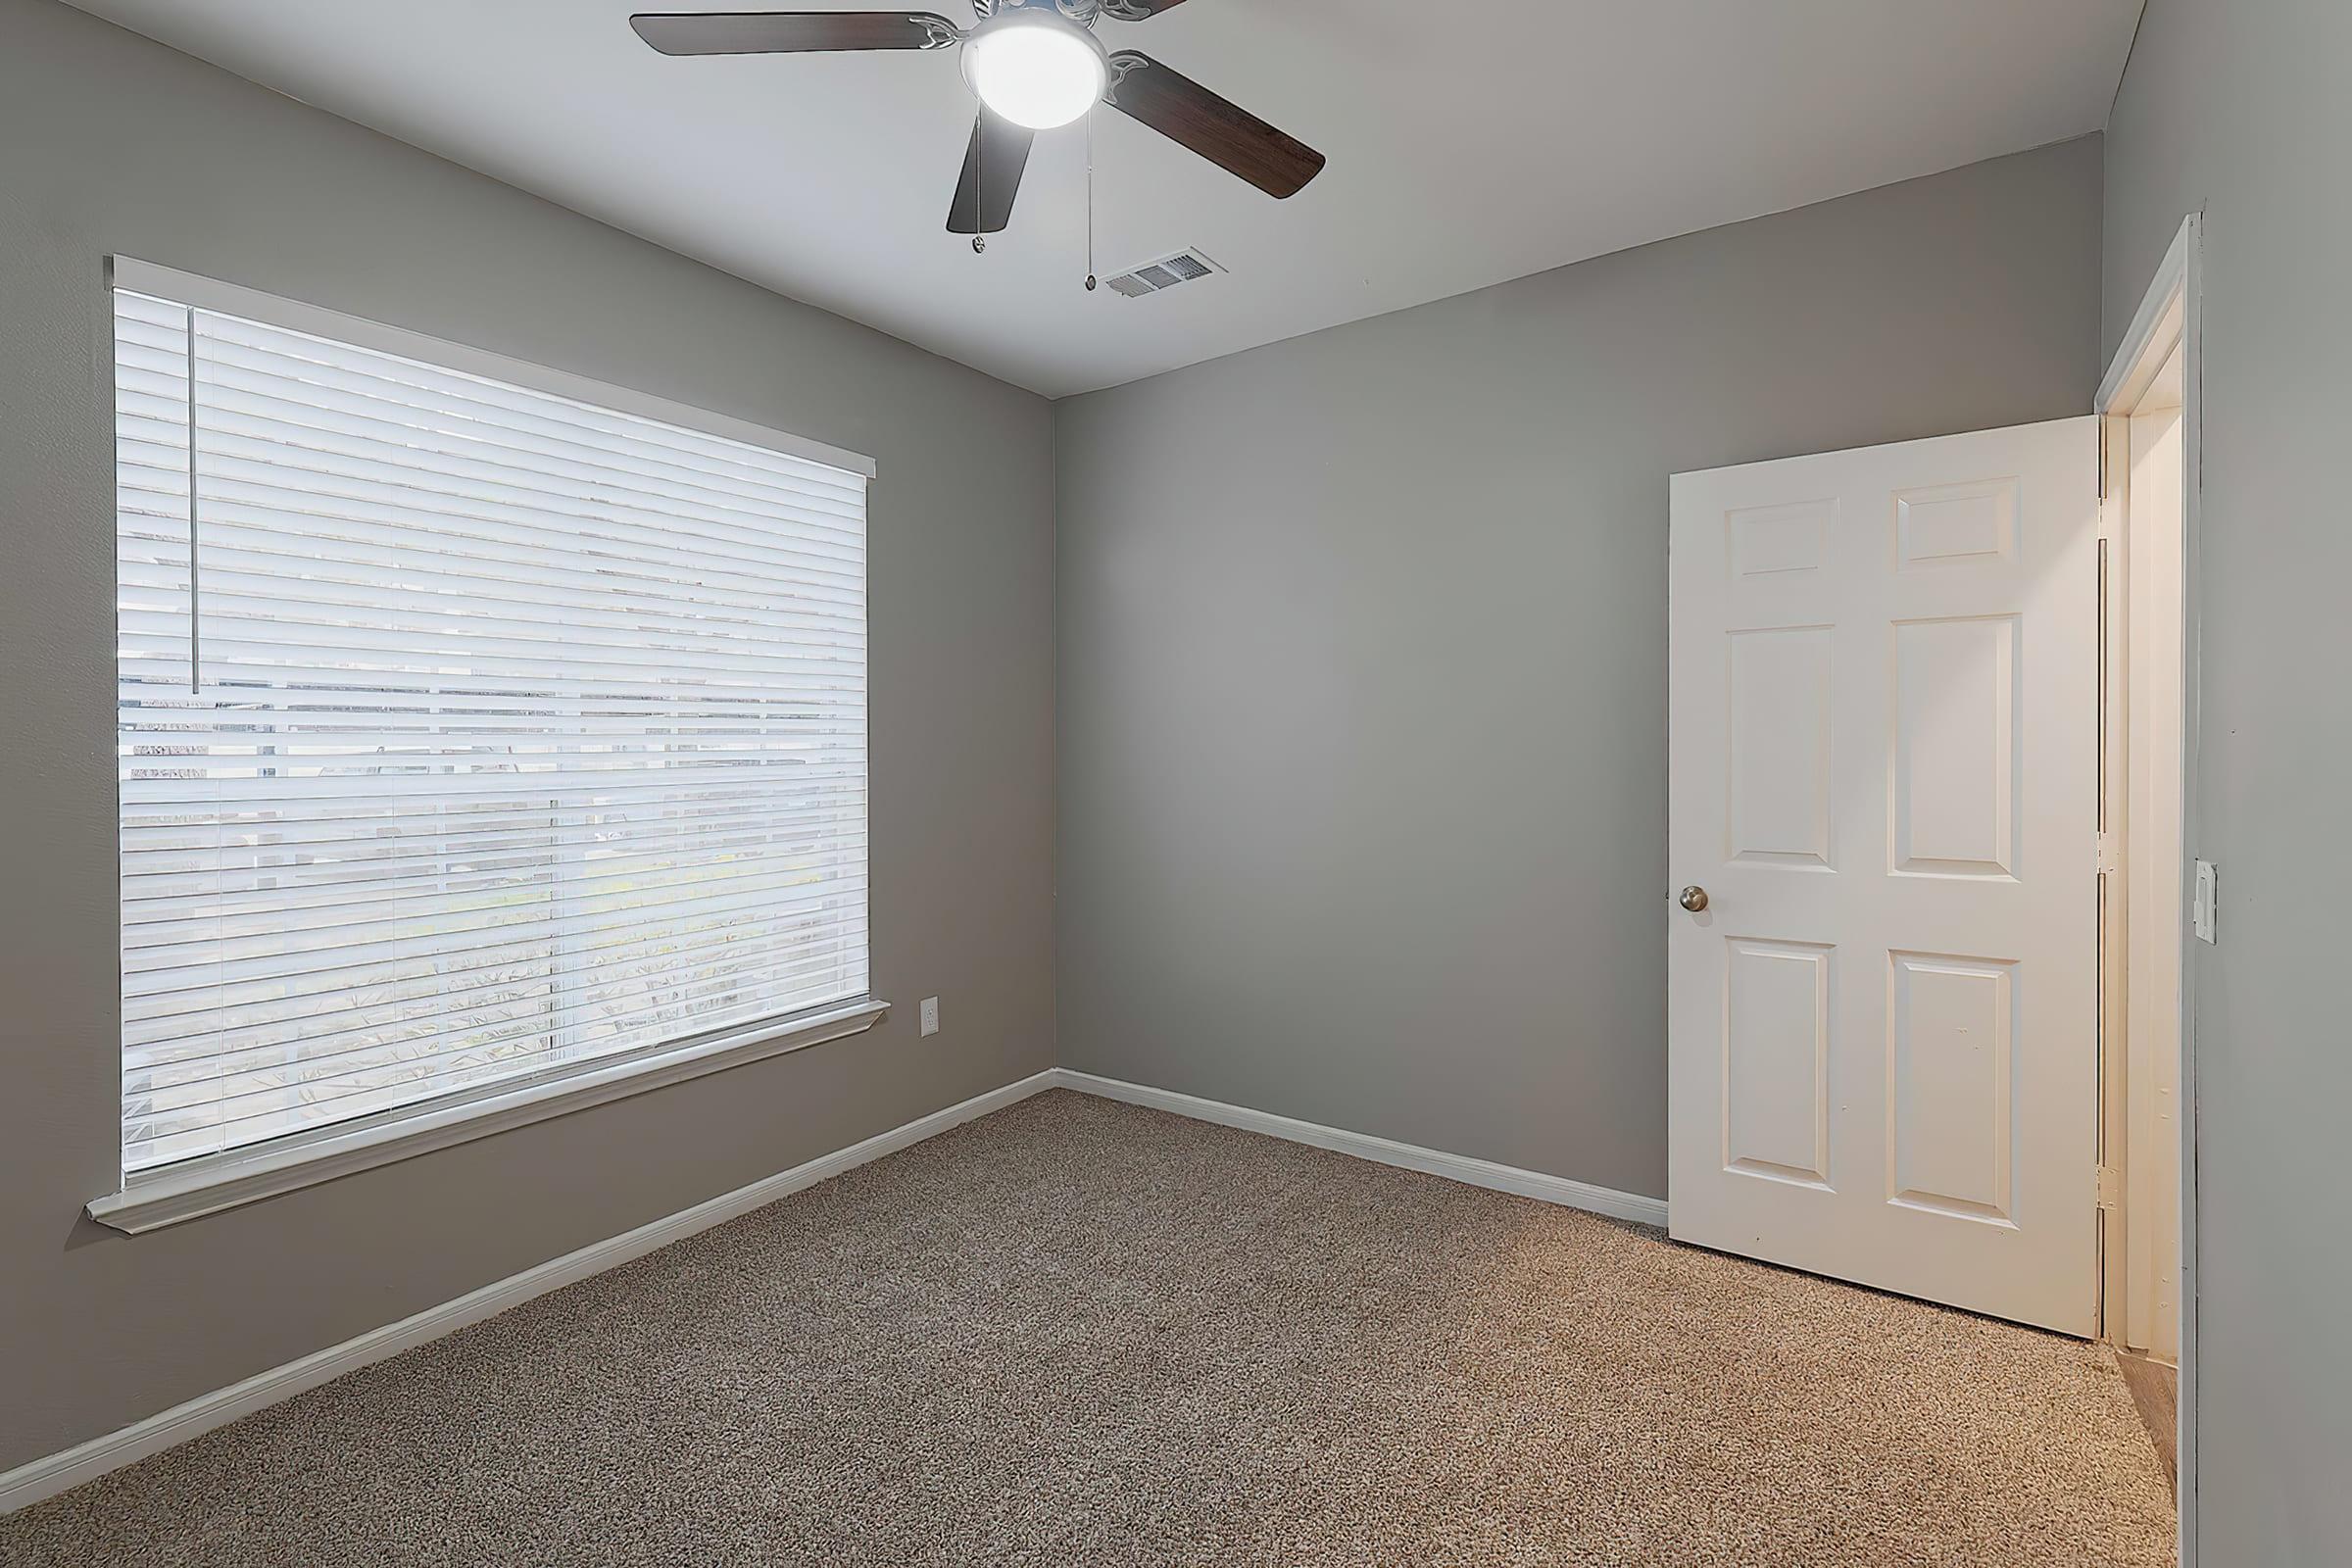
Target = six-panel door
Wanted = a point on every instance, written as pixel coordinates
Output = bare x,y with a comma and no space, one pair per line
1883,1027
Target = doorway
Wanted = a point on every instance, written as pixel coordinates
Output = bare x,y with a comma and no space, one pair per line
2155,896
1907,1046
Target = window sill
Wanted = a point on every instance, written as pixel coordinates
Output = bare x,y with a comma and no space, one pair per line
209,1185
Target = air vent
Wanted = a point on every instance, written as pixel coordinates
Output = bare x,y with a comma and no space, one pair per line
1154,277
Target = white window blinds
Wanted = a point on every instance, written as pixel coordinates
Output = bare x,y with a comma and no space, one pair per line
469,734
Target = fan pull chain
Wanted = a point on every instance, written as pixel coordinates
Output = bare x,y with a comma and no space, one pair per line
1090,207
980,184
980,179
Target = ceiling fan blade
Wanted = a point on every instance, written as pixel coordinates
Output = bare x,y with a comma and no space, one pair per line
1137,10
1225,133
992,176
789,32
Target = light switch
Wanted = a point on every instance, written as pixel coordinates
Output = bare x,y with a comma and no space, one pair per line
2201,912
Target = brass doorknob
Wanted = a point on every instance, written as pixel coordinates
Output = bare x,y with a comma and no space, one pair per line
1694,899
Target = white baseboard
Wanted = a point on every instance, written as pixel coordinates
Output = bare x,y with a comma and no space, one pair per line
42,1478
1381,1151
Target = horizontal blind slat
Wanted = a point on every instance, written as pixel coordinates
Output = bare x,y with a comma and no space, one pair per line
366,562
427,1017
162,839
236,577
321,1019
352,927
608,787
161,869
152,503
271,462
314,355
269,998
333,404
356,880
149,971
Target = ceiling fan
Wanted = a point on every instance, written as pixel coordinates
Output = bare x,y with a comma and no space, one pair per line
1034,65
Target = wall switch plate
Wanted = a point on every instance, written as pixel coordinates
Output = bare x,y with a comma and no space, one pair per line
2201,910
930,1016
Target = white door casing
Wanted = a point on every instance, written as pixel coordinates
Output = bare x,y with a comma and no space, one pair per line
1883,1029
2153,915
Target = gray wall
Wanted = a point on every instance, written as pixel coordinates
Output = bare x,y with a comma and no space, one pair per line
111,143
1363,651
2242,109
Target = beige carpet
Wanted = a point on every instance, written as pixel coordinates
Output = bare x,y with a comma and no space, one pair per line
1082,1333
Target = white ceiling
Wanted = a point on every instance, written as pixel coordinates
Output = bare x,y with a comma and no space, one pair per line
1469,143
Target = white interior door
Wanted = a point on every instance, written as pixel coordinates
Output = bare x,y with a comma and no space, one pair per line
1883,1024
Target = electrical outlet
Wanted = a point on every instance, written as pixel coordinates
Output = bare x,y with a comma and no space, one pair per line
930,1016
2201,912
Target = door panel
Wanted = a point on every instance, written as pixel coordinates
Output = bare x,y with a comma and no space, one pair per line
1950,1029
1955,747
1882,1026
1775,1049
1779,808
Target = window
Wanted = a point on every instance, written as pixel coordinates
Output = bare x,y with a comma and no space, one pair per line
472,736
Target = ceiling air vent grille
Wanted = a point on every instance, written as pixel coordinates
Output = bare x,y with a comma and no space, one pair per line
1152,277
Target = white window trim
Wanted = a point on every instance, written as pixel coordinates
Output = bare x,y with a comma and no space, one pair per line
194,1188
230,299
191,1188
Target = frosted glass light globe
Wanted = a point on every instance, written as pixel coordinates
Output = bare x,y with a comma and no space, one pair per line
1037,74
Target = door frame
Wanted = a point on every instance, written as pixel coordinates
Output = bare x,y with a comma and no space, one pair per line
2169,317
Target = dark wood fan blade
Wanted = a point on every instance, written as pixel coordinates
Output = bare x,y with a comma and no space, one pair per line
1137,10
791,33
1225,133
992,176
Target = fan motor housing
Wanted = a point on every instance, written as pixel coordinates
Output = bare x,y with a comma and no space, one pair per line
1035,13
1082,13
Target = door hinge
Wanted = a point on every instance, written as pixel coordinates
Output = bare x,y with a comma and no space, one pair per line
2102,460
2111,1187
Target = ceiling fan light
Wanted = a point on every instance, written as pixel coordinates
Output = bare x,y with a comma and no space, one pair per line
1040,74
